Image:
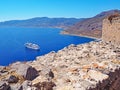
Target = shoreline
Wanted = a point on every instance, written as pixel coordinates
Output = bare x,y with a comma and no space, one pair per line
65,33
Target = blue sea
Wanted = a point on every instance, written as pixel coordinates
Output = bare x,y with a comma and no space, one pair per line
12,42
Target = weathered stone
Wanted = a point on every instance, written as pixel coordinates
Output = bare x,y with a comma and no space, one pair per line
45,85
4,85
51,74
96,75
116,84
3,70
39,79
16,86
27,71
12,79
26,85
66,88
111,29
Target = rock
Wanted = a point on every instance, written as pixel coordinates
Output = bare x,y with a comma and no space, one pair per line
115,85
26,84
4,85
12,79
51,74
96,75
16,86
39,79
48,73
1,68
27,71
66,88
45,85
111,29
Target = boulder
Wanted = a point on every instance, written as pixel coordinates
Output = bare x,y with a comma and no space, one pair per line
27,71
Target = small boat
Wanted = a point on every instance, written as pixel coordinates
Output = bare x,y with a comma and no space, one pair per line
32,46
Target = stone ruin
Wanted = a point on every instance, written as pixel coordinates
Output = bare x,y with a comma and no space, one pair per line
111,29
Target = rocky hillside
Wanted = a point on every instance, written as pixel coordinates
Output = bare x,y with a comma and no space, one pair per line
112,24
91,66
91,26
41,22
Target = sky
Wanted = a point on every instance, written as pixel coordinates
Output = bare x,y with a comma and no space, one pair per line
25,9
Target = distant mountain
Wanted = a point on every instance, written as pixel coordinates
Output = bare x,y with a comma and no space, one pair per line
41,22
91,26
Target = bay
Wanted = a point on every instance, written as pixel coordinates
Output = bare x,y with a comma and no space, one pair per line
12,42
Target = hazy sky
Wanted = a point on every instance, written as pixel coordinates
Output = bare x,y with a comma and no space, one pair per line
24,9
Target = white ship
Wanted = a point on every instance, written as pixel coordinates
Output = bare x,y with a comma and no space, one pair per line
32,46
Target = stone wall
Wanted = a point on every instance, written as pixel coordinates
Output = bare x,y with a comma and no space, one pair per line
111,29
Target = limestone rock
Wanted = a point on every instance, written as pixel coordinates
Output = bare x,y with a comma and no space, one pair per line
96,75
4,85
26,85
16,87
66,88
111,29
45,85
27,71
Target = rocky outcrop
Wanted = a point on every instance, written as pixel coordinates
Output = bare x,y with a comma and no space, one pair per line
28,72
90,66
91,27
111,29
16,76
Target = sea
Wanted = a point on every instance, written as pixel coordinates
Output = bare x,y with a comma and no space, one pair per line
12,40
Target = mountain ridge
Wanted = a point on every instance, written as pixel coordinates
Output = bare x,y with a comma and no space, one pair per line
41,22
91,26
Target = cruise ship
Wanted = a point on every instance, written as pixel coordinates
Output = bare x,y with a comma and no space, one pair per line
32,46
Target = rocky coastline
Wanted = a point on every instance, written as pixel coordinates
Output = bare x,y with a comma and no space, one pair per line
90,66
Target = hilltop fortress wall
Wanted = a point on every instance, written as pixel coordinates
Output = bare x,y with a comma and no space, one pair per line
111,29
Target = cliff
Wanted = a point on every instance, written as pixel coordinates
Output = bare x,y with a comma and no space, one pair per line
111,29
90,27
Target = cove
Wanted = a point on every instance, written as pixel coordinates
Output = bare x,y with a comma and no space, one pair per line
12,42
